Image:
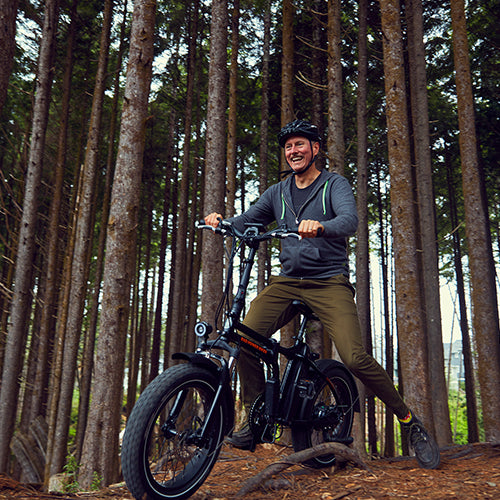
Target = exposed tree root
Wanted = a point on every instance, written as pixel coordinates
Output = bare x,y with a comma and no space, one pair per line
341,452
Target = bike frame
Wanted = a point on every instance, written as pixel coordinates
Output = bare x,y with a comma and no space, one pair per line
281,397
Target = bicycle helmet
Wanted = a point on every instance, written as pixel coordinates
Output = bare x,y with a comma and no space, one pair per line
298,128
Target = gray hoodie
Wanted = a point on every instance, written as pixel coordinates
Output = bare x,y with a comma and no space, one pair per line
332,203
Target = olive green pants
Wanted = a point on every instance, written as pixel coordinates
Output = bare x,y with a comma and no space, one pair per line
332,300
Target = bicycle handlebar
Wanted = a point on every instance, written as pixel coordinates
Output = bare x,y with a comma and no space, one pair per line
252,231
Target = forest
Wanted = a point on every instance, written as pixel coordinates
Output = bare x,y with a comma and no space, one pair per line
123,123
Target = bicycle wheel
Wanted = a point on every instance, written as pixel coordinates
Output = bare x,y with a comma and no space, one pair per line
328,413
163,452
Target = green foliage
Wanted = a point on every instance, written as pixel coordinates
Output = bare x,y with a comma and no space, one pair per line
96,481
458,416
71,471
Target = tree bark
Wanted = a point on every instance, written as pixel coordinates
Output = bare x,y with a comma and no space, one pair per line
81,256
8,15
481,263
264,138
232,112
336,148
89,343
167,202
215,157
179,306
287,111
469,371
21,301
363,237
54,243
100,449
427,220
411,327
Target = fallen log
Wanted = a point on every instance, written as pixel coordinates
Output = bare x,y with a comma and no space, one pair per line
341,452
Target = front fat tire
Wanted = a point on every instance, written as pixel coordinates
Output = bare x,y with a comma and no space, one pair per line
168,462
341,400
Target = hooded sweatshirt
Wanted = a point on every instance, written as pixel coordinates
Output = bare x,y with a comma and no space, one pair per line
331,203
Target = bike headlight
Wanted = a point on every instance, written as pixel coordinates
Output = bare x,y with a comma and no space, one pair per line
202,329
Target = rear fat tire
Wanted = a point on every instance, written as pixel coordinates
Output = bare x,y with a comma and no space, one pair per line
341,400
169,462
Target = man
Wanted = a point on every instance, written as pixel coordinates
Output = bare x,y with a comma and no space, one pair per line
321,205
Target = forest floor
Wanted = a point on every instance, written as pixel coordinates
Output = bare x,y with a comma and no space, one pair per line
466,472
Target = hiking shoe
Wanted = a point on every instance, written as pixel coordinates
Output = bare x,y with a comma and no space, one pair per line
243,439
423,444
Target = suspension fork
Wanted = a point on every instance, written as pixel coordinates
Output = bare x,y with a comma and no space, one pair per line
169,425
225,370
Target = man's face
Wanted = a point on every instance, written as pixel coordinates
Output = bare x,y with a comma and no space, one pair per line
298,152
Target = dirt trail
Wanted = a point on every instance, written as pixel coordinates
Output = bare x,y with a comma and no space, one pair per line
466,472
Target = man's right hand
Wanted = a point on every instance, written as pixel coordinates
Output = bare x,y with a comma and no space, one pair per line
213,219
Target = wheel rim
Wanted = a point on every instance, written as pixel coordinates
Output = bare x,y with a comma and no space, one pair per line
335,407
176,459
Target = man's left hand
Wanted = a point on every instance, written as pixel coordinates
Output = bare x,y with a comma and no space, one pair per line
310,228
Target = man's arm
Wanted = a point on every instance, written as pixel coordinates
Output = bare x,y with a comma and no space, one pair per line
343,202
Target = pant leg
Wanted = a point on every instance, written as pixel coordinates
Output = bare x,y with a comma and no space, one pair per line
268,312
333,301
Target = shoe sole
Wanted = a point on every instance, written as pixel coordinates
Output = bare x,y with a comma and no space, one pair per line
433,464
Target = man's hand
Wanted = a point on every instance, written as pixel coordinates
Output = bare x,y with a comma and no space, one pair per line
213,219
310,228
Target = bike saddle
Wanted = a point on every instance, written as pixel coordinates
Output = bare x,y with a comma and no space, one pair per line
304,309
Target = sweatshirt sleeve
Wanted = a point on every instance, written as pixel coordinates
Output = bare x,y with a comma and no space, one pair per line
345,221
262,211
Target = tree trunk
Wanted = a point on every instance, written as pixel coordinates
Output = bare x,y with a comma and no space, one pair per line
144,323
81,256
264,138
287,114
8,15
215,157
54,243
232,112
363,237
336,148
481,263
469,372
134,348
21,301
158,319
194,252
411,327
427,219
287,111
177,329
89,344
100,449
389,350
319,72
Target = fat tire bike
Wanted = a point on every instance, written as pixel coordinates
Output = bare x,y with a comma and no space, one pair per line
176,429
